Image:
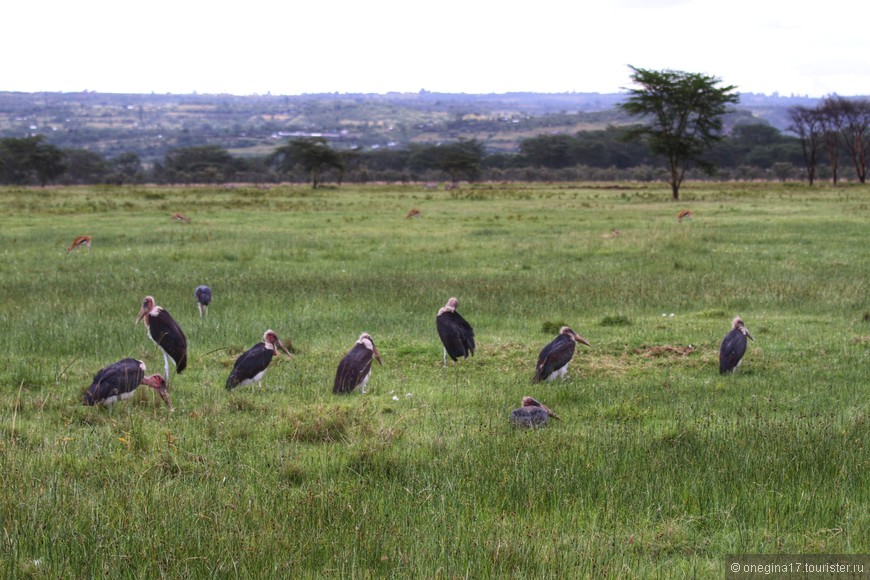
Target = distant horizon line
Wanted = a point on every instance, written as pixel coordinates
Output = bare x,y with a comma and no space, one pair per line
773,95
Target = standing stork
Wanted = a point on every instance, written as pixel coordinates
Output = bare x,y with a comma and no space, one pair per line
733,346
532,414
165,333
119,381
554,358
456,334
203,298
355,368
251,366
80,242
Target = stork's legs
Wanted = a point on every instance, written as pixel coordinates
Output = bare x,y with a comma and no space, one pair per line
166,367
445,358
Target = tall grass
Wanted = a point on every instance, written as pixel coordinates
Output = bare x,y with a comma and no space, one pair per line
660,466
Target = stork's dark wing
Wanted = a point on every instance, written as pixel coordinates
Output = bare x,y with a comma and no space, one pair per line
203,295
352,369
249,364
554,356
166,333
529,416
456,334
120,377
732,350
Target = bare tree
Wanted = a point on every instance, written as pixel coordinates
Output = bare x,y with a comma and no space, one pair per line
807,125
854,120
830,117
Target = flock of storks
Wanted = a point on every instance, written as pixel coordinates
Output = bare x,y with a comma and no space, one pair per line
120,380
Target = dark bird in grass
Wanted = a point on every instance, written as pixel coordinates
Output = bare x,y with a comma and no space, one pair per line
355,368
250,367
456,334
532,414
203,299
119,381
554,358
166,334
733,346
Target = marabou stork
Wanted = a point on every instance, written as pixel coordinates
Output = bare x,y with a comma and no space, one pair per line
118,381
203,299
166,334
251,366
355,368
733,346
532,414
554,358
456,334
80,242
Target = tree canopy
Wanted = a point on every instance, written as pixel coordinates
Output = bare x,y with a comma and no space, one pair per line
313,154
683,114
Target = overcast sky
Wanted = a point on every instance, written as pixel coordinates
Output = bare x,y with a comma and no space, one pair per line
797,47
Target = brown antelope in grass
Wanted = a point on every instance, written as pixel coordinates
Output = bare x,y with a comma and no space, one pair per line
79,242
180,217
685,214
414,213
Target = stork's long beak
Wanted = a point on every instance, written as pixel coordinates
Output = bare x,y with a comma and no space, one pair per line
164,394
377,354
551,413
581,340
284,348
141,315
158,383
749,336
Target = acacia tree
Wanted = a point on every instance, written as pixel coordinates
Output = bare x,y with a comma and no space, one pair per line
830,117
29,158
312,154
855,129
806,123
684,113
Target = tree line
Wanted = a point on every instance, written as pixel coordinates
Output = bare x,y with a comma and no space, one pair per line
680,134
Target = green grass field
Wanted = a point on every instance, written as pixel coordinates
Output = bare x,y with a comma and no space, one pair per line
660,467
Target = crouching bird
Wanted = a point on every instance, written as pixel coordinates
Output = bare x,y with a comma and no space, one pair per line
165,333
251,366
532,414
355,368
733,346
119,381
554,358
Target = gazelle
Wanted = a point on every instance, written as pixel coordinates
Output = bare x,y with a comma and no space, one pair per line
79,242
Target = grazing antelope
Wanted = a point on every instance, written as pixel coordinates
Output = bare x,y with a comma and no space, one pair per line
79,242
414,213
180,217
685,214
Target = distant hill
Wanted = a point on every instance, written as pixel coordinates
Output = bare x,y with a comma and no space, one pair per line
151,124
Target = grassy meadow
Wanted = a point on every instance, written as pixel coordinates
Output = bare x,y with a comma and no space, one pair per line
660,467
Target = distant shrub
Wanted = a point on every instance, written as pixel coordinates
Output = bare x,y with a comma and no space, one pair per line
616,320
552,327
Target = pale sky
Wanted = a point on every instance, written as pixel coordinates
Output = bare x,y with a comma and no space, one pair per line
802,47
